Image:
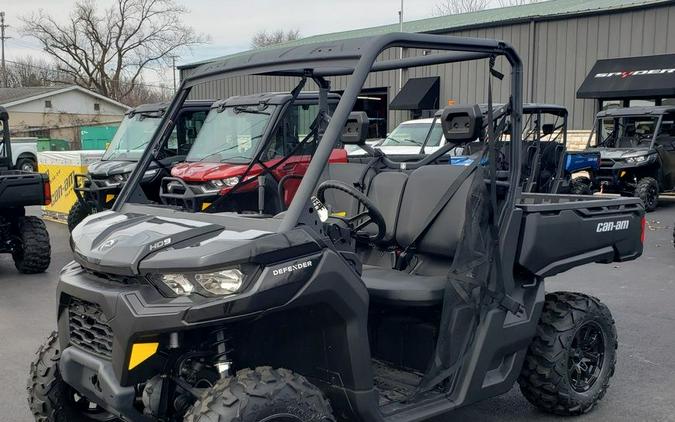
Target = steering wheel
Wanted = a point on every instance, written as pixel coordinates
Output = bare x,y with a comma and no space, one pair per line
361,220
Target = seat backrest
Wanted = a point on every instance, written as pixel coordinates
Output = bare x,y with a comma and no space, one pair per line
349,173
423,190
386,192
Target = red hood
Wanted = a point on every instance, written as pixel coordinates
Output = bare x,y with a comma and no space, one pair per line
200,172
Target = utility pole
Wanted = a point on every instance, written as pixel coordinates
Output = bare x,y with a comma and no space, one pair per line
2,49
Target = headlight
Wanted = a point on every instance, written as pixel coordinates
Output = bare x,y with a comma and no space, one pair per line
231,181
219,283
150,173
118,178
637,159
224,183
178,283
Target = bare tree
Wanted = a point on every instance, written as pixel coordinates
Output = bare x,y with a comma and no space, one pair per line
454,7
108,50
29,71
264,38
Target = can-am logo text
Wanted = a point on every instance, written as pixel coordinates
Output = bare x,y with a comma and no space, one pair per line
609,226
626,74
291,268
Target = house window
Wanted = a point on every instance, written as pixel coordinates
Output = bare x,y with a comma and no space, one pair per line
97,107
48,103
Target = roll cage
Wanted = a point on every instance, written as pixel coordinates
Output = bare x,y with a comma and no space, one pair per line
616,114
5,146
358,58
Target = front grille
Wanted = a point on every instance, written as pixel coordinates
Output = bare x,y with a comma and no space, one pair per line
607,162
88,328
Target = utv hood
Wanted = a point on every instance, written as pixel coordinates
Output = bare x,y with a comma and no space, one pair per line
200,172
104,169
619,153
133,244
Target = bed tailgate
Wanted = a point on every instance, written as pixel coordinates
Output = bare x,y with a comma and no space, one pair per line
559,232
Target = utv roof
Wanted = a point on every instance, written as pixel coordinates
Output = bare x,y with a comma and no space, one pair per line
340,57
161,107
274,98
530,108
637,111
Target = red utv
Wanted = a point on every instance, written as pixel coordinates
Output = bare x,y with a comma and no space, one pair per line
252,149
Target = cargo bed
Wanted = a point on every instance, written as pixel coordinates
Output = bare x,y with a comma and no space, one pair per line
21,189
559,232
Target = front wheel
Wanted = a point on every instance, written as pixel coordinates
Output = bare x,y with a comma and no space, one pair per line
32,254
580,186
572,357
647,189
263,394
50,398
78,212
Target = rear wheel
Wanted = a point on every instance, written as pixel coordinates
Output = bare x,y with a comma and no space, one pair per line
50,398
647,189
26,164
263,394
32,253
580,186
78,212
572,357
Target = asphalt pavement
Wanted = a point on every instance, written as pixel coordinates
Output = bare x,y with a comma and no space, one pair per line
640,294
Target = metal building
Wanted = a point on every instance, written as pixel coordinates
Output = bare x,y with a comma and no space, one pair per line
559,41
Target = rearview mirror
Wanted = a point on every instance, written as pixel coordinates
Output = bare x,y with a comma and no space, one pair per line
547,129
355,131
461,123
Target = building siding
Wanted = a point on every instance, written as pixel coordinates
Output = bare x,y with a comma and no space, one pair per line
557,55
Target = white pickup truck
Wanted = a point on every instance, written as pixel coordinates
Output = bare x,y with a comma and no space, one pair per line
24,153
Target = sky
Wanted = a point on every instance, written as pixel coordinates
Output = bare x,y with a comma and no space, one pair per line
230,24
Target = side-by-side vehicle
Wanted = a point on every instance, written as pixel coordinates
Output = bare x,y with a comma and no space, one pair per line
268,139
395,292
23,236
637,149
98,188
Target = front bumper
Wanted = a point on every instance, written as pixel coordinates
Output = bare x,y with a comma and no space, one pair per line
95,379
98,191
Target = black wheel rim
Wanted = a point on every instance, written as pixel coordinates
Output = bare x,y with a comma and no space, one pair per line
586,357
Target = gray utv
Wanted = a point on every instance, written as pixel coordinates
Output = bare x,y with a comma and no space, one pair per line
97,189
395,292
637,150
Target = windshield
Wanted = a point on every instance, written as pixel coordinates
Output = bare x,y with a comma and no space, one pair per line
414,134
232,134
626,132
132,137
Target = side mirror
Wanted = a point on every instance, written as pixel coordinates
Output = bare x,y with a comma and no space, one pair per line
461,123
547,129
355,131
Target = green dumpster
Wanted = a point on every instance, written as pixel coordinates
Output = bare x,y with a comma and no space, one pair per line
96,137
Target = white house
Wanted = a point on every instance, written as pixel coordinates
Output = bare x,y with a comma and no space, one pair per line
58,111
